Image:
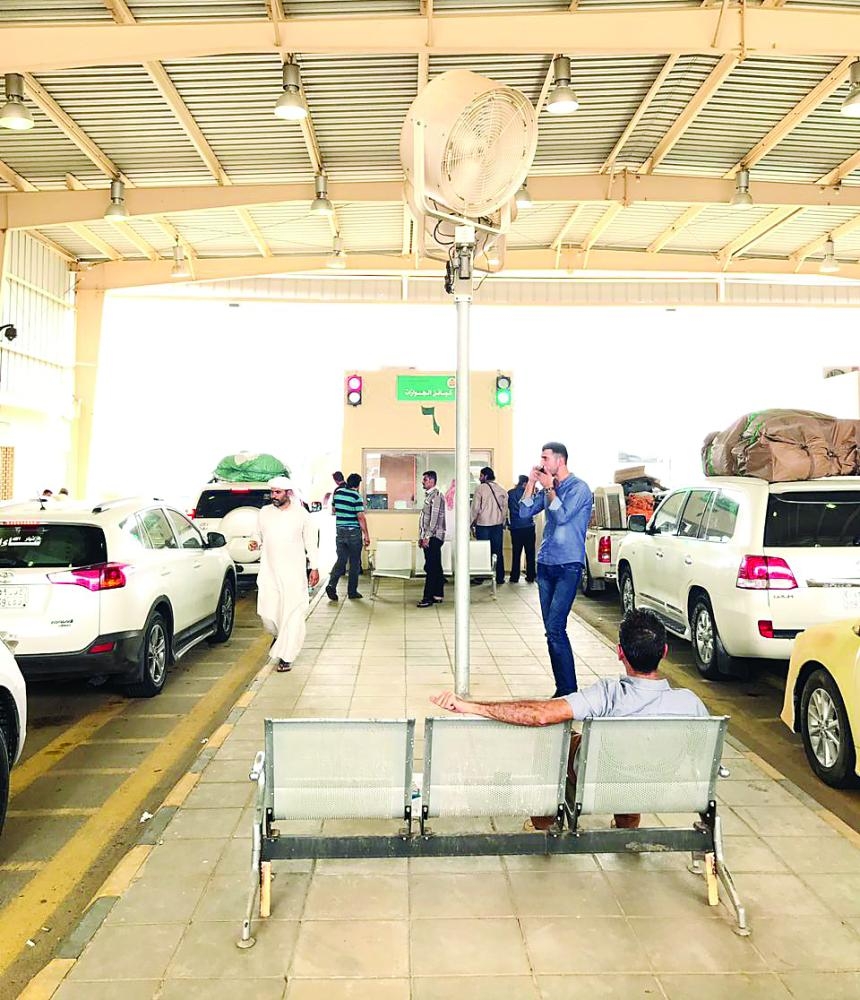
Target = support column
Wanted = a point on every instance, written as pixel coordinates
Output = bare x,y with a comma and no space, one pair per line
89,306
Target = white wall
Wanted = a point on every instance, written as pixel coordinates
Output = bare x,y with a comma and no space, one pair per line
183,383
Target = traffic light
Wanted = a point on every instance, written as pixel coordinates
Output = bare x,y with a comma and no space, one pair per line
503,390
354,385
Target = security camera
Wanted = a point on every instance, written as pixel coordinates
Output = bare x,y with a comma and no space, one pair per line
9,331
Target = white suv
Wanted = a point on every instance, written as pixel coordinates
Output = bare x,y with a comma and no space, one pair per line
232,509
122,588
13,721
740,566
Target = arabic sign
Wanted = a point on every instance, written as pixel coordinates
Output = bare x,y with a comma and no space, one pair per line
426,389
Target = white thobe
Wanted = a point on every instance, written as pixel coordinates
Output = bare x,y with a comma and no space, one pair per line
285,535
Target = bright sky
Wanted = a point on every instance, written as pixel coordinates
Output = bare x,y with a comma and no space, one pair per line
208,379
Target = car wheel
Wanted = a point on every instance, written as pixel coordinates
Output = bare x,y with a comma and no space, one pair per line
586,581
626,591
154,656
712,660
225,613
4,780
826,731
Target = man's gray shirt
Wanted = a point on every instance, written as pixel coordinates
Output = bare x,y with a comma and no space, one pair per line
626,696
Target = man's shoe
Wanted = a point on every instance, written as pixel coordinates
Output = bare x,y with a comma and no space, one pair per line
476,581
512,580
425,604
530,581
331,593
355,597
284,666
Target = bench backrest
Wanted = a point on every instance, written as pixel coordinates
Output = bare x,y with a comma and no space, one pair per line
479,767
392,559
447,558
649,764
480,558
321,768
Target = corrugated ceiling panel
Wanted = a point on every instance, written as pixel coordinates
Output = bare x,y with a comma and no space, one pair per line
639,225
192,10
70,241
609,90
289,228
500,6
716,227
358,106
539,226
525,72
43,155
678,89
232,100
342,8
121,110
799,230
115,236
56,10
215,234
757,95
369,228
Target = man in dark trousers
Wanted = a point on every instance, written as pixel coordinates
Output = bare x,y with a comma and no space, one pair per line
431,535
489,513
350,532
522,534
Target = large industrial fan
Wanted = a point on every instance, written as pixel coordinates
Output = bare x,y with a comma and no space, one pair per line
467,145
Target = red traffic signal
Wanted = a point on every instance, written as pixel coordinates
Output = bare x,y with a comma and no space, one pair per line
354,384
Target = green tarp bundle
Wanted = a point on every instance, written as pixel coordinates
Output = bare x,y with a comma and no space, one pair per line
249,468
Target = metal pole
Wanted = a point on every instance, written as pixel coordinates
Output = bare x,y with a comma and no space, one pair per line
463,298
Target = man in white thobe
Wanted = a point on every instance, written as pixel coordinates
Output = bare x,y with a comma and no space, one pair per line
286,536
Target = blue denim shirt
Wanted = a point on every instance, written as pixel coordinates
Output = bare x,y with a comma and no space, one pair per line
517,521
567,518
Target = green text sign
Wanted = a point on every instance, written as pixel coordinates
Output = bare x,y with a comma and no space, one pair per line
426,389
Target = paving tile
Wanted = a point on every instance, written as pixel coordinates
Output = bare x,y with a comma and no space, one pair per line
755,793
220,795
476,987
352,949
822,985
556,863
750,854
451,895
361,866
359,897
705,945
208,951
563,893
830,857
772,895
840,892
784,821
661,894
574,945
605,987
225,896
450,866
807,943
162,903
765,986
179,860
348,989
489,946
202,824
131,990
221,989
137,952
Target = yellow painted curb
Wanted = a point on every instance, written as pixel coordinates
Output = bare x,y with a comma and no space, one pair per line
216,740
178,794
761,763
123,875
840,826
46,983
245,700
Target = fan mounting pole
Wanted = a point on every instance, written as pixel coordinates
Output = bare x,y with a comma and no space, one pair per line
458,282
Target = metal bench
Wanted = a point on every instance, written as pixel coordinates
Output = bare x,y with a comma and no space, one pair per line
390,559
482,562
349,768
447,559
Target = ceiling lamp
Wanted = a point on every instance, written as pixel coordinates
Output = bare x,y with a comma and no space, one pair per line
180,267
562,100
742,197
291,105
523,198
829,265
321,205
337,260
15,114
116,211
851,104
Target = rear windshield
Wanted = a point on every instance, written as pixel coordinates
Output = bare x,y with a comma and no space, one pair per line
811,520
51,545
219,503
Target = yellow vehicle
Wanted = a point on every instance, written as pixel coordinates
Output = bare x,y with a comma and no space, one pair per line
822,699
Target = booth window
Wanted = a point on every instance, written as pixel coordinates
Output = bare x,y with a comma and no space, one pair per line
392,479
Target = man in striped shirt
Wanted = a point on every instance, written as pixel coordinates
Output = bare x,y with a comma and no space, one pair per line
431,534
350,532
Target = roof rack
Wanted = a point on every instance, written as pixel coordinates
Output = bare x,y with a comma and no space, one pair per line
110,504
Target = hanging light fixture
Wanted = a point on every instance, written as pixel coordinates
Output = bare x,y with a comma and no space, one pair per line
851,104
742,197
830,265
523,198
337,260
291,105
321,205
180,267
562,100
15,114
116,211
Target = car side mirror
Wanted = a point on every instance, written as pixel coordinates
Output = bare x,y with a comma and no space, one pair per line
215,540
637,522
315,506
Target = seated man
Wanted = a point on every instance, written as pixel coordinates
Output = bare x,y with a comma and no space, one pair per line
642,645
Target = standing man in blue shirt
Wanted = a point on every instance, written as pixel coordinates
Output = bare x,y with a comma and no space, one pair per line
522,534
566,501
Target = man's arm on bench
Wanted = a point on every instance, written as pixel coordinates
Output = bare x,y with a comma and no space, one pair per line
518,713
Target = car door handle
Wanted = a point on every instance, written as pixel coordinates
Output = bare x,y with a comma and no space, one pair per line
688,560
198,564
659,555
165,572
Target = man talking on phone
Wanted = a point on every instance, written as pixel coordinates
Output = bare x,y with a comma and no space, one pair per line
566,501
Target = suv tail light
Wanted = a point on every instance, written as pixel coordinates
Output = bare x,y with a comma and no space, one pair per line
108,576
240,489
604,549
765,629
765,573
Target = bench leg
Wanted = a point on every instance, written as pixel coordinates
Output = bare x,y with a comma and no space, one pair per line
245,939
266,889
725,876
711,879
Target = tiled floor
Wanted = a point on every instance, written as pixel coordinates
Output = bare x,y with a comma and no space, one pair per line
518,928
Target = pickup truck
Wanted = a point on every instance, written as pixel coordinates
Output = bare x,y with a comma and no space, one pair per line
606,530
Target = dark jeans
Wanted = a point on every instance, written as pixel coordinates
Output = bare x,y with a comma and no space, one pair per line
557,586
494,534
522,540
348,547
434,585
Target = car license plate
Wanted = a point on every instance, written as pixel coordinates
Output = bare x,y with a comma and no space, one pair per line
851,597
13,597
